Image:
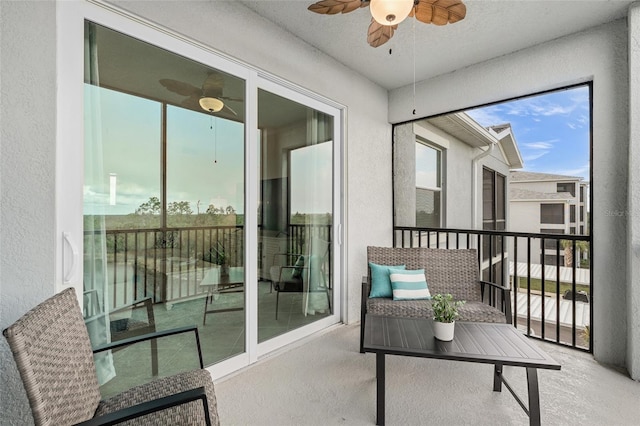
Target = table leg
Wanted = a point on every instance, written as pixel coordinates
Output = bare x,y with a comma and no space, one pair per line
206,307
534,396
380,389
497,378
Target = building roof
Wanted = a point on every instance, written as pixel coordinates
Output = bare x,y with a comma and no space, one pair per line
504,134
520,194
520,176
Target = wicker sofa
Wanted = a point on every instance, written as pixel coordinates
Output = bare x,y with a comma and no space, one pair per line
446,271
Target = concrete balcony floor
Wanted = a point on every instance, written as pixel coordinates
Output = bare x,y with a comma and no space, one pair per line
326,381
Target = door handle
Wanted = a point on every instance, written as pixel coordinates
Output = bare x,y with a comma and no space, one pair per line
74,255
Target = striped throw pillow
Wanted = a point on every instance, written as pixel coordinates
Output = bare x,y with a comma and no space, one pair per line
409,284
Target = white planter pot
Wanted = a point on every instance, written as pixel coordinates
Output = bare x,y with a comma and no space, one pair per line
444,330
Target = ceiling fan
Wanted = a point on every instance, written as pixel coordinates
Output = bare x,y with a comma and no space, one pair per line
208,97
387,14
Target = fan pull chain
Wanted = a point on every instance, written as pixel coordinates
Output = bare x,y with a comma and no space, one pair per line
414,63
215,139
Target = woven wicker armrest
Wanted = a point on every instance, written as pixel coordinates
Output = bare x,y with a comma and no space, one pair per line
153,406
151,336
506,297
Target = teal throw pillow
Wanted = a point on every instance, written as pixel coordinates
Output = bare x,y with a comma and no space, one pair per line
380,284
409,284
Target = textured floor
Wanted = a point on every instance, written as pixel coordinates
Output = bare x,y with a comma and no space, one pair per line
326,381
222,336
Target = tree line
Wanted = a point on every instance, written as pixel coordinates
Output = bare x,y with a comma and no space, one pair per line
154,207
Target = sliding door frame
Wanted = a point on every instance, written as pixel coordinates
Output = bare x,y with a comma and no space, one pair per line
70,158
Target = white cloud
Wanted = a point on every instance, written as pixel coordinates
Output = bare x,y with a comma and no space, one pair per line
535,156
546,145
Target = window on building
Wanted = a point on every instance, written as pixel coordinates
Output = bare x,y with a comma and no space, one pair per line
428,186
552,213
572,213
569,187
582,194
493,217
553,260
550,244
493,200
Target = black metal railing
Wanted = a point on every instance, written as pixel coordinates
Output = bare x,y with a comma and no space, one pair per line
549,275
169,264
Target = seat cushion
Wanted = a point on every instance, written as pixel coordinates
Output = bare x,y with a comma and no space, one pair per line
470,311
186,414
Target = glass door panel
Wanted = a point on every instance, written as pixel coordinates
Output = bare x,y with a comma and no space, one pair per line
295,217
164,206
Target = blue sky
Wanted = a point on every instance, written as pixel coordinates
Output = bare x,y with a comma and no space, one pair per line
551,130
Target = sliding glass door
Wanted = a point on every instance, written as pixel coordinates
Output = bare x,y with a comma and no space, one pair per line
164,193
209,198
295,228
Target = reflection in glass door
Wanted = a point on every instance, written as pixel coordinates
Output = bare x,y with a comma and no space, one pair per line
164,206
295,217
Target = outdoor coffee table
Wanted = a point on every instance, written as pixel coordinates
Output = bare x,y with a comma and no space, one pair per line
487,343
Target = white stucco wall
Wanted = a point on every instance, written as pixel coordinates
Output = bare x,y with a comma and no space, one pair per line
633,216
599,54
27,176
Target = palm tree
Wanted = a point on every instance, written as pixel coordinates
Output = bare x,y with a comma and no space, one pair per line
567,245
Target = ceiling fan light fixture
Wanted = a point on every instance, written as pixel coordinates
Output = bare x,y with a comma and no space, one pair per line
390,12
211,104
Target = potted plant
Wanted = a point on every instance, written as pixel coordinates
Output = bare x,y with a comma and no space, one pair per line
445,312
219,257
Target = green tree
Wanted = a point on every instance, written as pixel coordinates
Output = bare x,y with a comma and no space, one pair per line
179,207
152,206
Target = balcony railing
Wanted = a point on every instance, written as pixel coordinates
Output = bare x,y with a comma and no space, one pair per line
549,274
169,264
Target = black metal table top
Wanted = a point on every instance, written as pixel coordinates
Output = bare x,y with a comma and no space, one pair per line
488,343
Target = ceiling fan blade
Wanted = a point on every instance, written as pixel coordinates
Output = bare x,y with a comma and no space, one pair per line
379,34
227,98
179,87
212,86
228,108
192,102
332,7
439,12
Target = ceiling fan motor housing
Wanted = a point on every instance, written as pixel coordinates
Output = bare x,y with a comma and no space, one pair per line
390,12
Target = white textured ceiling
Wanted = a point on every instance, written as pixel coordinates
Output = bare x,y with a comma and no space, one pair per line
492,28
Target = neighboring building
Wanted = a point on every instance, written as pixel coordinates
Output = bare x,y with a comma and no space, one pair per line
549,204
460,178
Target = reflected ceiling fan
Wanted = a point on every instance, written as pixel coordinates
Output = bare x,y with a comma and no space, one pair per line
387,14
208,97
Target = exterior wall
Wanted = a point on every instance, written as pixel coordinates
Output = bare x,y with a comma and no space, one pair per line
458,157
27,216
27,169
633,208
598,54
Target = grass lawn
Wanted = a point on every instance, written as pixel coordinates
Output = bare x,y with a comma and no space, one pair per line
550,286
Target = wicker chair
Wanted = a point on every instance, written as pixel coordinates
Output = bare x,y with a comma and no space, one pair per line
446,271
51,347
